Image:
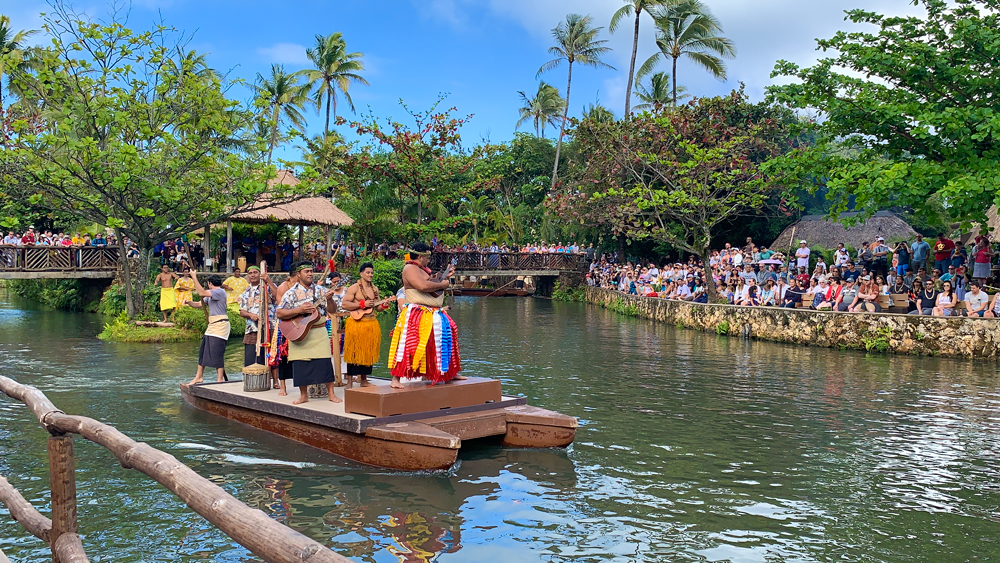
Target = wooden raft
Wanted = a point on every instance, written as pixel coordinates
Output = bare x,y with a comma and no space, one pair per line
415,428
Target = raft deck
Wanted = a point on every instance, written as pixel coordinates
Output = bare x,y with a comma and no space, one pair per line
418,427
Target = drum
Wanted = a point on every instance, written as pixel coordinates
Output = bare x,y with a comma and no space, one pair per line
253,382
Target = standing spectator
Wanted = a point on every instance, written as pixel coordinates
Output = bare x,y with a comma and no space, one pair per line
943,249
902,258
920,251
982,258
841,256
11,239
29,237
802,255
865,257
880,264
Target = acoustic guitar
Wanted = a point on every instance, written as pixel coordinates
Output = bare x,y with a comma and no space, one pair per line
358,314
297,329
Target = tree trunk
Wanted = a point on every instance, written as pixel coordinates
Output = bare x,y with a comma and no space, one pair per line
274,134
126,274
420,209
631,66
673,78
229,247
326,128
710,289
562,127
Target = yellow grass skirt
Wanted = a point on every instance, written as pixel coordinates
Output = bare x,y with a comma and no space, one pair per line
362,341
168,298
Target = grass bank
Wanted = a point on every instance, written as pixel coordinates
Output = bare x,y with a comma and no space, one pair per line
190,323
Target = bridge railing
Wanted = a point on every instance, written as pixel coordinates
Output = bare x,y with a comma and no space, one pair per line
510,261
40,258
251,528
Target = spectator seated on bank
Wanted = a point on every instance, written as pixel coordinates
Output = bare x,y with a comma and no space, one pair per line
976,300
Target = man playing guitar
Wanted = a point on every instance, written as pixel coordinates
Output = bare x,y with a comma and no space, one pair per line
362,334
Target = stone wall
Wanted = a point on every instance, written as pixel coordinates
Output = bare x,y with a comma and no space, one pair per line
904,334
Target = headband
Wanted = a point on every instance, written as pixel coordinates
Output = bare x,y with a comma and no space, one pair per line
253,269
302,266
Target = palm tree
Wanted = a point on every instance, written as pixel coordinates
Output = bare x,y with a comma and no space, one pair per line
598,114
478,208
688,28
576,42
632,7
334,69
657,94
285,98
192,63
13,52
543,108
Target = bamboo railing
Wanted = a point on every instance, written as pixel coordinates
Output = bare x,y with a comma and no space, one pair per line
251,528
41,258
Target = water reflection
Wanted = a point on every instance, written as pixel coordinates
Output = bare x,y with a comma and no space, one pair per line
692,447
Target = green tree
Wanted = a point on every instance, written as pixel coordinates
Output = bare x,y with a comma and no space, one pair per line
657,94
285,99
13,50
908,112
686,28
632,7
576,42
478,208
333,69
543,108
125,142
675,177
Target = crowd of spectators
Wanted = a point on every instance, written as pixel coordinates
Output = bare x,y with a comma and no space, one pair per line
926,279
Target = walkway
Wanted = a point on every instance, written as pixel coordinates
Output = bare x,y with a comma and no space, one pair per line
510,263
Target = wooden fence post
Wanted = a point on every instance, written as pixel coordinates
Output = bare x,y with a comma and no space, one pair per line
62,481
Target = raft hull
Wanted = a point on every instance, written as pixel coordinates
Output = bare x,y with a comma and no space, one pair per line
410,442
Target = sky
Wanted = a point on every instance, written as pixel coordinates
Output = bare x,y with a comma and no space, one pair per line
480,53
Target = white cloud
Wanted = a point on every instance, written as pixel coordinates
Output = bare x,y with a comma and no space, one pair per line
284,53
451,12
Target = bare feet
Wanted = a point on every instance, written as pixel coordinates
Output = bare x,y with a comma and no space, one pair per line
196,381
300,400
282,393
363,382
335,399
459,378
396,383
350,382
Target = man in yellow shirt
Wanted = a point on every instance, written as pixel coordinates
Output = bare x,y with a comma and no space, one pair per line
77,240
235,285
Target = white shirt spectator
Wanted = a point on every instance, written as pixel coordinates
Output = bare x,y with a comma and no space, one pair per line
802,257
976,301
841,257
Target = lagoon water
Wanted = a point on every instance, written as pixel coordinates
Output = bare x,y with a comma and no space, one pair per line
692,447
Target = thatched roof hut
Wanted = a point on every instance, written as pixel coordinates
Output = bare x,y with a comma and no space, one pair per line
820,230
307,211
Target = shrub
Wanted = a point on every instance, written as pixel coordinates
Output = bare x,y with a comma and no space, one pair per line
560,293
191,319
121,330
722,329
877,340
65,295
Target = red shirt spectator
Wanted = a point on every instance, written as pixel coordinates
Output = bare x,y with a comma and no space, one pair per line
943,248
28,238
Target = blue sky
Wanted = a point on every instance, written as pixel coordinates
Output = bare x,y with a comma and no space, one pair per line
480,52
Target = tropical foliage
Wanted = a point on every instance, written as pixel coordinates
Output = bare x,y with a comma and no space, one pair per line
334,69
544,108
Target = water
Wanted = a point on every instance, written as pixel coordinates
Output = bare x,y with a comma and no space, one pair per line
692,447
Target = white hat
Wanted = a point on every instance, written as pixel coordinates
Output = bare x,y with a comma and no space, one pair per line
881,239
802,241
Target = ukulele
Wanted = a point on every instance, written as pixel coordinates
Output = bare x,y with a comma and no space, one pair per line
296,330
358,314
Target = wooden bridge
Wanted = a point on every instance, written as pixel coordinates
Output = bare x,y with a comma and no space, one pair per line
57,262
510,263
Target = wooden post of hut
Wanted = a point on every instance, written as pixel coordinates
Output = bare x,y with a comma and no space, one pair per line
229,247
301,249
206,248
62,482
329,242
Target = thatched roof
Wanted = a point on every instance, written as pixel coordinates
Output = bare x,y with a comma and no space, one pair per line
820,230
308,211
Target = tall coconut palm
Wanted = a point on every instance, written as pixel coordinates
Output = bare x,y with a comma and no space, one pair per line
192,63
632,7
13,50
285,98
544,108
657,94
576,42
687,28
333,69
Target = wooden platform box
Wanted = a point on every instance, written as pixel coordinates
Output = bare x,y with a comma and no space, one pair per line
420,396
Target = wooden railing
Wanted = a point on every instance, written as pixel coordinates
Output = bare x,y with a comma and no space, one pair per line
57,258
523,261
249,527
